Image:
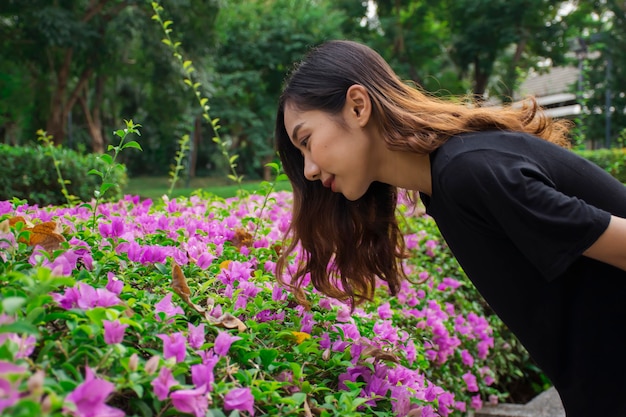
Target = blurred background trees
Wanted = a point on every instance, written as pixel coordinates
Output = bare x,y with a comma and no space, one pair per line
78,68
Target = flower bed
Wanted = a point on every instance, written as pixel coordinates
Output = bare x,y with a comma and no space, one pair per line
171,307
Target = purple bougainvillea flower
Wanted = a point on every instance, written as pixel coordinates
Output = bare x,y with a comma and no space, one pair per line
192,401
202,374
195,337
85,297
166,306
89,398
8,395
114,284
477,403
223,341
470,381
162,383
11,368
239,399
113,331
174,346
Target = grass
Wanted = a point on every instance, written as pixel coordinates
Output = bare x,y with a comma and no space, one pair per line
155,187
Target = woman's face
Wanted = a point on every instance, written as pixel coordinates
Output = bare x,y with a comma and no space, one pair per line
337,149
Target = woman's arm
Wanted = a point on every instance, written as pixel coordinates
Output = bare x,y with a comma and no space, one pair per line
610,247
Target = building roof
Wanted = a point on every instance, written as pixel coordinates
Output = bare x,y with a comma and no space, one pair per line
558,80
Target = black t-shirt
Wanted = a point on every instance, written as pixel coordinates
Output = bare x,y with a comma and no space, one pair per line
518,212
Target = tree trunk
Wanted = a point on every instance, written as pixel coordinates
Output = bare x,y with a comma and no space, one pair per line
57,121
480,82
93,116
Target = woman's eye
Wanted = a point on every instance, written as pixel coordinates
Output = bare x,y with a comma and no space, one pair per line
304,142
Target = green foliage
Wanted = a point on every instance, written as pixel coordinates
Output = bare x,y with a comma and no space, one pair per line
611,160
325,361
602,50
257,44
107,178
29,173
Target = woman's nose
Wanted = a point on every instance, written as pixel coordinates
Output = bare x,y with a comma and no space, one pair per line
311,170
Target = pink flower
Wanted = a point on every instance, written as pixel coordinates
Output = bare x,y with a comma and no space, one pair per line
85,297
113,331
467,358
195,338
88,399
476,403
239,399
163,382
470,381
174,346
114,284
384,311
166,306
202,374
223,342
192,401
8,394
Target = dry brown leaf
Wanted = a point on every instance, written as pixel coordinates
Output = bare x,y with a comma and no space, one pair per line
48,235
179,282
242,238
307,408
15,220
378,354
5,227
227,321
180,287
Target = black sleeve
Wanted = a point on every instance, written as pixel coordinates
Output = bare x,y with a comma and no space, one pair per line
515,195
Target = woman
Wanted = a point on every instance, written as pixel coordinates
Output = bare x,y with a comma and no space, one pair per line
539,231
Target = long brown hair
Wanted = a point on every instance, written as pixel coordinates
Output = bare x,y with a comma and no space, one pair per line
346,244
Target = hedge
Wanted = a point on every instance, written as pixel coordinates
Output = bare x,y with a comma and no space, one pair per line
611,160
28,173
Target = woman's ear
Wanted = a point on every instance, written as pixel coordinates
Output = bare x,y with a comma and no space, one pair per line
358,105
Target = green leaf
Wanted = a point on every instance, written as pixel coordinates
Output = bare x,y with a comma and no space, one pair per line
106,158
267,356
11,304
132,144
120,132
95,172
19,326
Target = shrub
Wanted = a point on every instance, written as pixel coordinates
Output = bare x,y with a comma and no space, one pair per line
611,160
172,307
28,173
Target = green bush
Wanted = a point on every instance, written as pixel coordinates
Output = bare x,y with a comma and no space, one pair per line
28,173
612,160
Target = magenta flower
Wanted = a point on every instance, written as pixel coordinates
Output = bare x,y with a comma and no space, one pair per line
113,331
467,358
166,306
195,338
223,342
85,297
202,374
174,346
114,284
163,382
239,399
88,399
192,401
8,395
470,381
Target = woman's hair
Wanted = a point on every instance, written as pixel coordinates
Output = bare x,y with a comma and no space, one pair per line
346,244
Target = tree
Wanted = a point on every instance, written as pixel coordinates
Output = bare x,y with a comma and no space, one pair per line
257,43
65,43
603,119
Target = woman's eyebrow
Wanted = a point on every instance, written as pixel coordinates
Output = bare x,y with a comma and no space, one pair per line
294,133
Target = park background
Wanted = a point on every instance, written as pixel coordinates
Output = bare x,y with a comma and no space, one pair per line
93,310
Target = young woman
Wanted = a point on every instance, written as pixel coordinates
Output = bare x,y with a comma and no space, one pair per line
539,231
